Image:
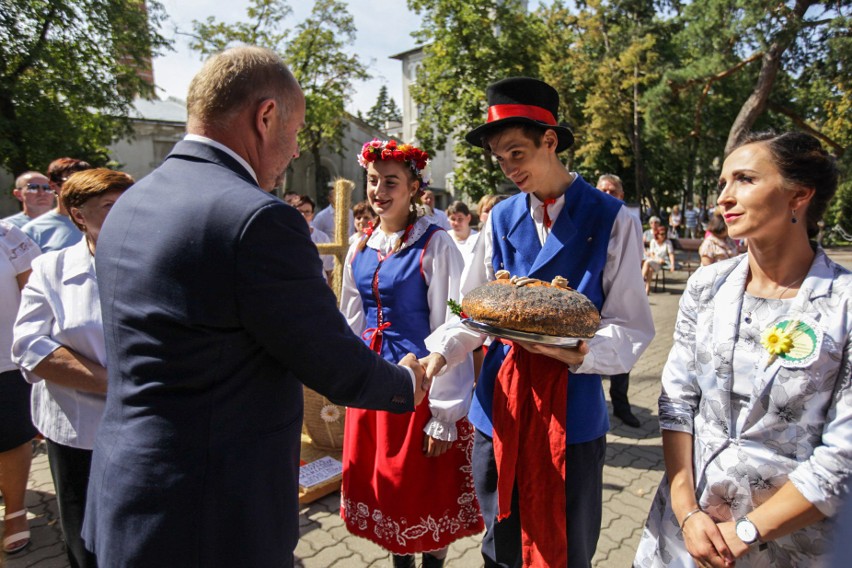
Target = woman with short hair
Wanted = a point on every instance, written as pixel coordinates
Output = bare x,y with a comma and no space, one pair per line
59,346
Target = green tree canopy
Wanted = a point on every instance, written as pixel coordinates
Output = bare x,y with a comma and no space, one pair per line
468,45
384,111
654,89
317,54
602,59
68,75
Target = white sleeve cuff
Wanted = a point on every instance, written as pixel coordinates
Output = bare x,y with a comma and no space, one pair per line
33,354
446,432
414,385
587,366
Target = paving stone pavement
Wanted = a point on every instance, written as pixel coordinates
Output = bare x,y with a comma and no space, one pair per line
634,466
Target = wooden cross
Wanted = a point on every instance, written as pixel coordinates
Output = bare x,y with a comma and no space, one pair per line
339,245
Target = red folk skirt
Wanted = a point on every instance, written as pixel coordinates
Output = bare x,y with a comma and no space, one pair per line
397,497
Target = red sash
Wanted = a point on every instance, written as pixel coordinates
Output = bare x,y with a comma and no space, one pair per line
530,400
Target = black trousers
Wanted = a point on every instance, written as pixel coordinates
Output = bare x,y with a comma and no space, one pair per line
501,546
618,385
70,470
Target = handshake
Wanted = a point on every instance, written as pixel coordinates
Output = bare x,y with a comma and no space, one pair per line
425,370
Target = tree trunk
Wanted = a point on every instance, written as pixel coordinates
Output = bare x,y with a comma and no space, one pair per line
320,191
756,103
639,173
690,174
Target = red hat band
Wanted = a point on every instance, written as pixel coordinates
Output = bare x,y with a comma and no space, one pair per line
499,112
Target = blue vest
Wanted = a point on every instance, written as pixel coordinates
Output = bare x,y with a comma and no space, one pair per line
402,289
576,249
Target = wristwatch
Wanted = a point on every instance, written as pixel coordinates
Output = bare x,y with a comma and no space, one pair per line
746,531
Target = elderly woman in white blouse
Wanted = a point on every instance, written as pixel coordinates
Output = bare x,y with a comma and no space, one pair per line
59,345
756,404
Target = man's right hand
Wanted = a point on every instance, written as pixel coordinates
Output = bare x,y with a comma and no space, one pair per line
420,378
433,363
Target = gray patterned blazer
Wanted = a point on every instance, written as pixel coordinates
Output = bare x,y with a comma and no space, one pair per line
798,421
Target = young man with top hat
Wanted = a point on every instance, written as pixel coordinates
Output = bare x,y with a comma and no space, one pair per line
539,411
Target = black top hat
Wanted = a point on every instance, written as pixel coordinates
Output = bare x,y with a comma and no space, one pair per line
520,100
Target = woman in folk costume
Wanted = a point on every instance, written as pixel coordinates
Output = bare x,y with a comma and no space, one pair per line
539,411
407,482
756,406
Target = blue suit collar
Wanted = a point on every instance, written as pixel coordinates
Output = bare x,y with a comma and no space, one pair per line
196,151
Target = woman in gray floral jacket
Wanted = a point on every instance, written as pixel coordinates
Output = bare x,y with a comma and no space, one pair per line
756,406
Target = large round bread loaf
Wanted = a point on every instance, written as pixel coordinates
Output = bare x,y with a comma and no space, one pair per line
537,307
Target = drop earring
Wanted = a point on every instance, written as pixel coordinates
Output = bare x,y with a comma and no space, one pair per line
794,219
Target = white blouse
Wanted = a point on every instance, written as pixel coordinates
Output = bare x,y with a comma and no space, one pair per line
451,394
17,252
466,246
60,307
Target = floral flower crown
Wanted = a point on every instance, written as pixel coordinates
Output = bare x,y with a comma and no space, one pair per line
418,160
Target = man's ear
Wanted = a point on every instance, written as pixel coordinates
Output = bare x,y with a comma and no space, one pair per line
550,139
267,110
19,194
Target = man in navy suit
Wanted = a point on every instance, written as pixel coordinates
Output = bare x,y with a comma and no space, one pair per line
215,312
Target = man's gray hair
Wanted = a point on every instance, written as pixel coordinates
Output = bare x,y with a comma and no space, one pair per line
613,179
654,219
236,77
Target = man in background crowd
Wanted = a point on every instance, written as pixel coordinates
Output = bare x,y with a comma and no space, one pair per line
690,218
619,384
55,230
34,192
305,206
436,216
324,220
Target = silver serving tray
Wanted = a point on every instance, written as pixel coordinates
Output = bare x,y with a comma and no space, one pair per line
521,335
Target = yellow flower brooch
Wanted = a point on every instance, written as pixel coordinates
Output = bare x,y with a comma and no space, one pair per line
791,340
776,340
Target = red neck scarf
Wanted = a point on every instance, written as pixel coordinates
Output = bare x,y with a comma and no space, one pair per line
530,401
546,218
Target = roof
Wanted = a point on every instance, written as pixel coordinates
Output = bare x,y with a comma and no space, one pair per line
157,110
405,54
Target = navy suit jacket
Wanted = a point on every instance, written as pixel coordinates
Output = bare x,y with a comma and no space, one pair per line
215,312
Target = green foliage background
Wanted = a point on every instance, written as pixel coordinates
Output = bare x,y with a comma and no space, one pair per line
651,88
68,75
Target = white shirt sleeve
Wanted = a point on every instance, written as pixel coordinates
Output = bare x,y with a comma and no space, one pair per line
626,327
451,393
452,340
350,299
33,331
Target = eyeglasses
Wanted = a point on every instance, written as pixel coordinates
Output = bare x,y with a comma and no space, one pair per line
36,187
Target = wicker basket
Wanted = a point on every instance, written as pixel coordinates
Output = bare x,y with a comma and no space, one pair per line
324,421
